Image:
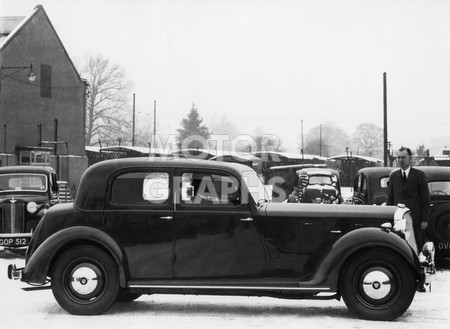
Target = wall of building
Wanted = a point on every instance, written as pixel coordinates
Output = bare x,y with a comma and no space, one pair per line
22,107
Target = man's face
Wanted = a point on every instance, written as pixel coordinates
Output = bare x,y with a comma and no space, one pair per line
403,159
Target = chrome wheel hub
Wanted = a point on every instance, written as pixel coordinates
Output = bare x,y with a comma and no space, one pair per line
377,284
84,280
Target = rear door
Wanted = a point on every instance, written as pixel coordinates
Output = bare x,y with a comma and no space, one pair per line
140,216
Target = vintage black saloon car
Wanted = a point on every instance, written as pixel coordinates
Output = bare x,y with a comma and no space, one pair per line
316,185
141,226
371,188
25,193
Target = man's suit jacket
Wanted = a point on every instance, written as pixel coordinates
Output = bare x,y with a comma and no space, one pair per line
414,194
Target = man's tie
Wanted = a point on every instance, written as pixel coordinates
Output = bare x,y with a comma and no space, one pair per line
404,178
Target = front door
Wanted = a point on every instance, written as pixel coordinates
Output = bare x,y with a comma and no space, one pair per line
215,233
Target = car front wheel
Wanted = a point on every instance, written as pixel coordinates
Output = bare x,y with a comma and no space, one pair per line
377,285
85,281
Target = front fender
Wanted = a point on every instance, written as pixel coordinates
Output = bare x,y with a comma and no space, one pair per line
332,262
39,264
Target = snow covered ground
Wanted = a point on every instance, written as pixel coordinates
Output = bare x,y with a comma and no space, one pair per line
38,309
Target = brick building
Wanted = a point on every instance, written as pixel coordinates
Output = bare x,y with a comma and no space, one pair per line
42,120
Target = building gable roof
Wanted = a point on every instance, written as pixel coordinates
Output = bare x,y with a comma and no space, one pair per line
10,26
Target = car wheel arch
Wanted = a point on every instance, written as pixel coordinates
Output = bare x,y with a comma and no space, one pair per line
388,249
41,262
357,241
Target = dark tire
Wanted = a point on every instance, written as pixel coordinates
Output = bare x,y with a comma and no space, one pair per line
377,285
85,281
127,297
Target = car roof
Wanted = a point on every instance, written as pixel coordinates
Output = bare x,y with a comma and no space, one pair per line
109,166
428,170
92,187
433,173
318,171
379,171
26,169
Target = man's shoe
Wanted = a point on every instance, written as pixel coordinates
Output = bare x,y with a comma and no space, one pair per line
421,289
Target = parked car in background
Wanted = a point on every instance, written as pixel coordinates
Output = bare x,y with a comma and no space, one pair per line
371,188
316,185
26,192
206,228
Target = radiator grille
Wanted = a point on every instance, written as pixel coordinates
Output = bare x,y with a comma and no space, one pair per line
13,218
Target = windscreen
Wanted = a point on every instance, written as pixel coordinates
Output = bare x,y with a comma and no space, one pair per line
23,182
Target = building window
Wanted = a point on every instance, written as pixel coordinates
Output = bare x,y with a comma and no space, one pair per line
46,81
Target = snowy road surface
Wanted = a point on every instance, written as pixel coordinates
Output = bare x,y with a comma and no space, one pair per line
38,309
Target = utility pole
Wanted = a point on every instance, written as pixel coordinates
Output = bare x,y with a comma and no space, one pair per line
302,142
385,143
320,143
154,125
134,119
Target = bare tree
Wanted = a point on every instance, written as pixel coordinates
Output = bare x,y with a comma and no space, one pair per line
107,109
368,140
326,140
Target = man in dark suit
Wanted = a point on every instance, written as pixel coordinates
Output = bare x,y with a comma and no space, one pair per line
409,187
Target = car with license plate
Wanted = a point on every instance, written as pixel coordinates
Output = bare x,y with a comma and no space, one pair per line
149,226
371,188
26,192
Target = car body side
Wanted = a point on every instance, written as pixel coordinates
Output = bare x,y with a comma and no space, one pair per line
303,247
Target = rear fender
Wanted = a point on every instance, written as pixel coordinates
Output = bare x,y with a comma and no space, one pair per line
327,273
40,262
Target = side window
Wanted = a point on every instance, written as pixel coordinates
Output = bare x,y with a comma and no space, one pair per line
208,188
141,188
357,185
53,183
156,187
363,185
384,181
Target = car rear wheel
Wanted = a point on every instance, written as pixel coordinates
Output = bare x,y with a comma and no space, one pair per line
377,285
85,281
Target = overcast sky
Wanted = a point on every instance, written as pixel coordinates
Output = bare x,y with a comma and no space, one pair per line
268,65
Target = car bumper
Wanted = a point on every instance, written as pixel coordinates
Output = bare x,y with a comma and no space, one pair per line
14,273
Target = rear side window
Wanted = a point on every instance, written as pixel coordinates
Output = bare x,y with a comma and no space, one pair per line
141,188
384,182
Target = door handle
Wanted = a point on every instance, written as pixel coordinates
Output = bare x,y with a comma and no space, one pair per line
336,232
166,217
248,219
